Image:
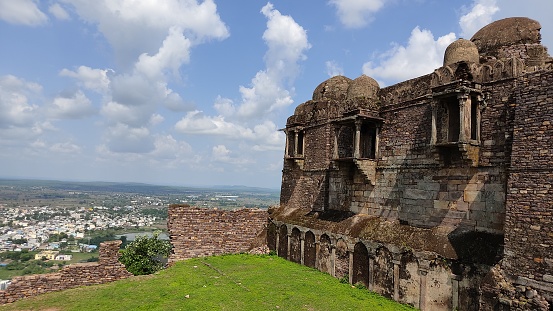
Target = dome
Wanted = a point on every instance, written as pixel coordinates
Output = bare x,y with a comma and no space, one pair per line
363,87
335,88
508,31
461,51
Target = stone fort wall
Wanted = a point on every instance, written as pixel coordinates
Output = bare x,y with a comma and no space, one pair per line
452,209
107,269
198,232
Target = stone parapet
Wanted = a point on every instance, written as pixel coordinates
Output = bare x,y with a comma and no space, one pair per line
198,232
108,269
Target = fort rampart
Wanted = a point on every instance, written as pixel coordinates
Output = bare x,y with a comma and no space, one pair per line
107,269
198,232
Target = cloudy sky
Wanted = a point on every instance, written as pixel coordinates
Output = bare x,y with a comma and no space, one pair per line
187,92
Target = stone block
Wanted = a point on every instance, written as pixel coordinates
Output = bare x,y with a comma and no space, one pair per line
478,206
440,204
471,196
418,194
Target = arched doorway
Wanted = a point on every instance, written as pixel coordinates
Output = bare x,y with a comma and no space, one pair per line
360,264
295,246
309,250
283,242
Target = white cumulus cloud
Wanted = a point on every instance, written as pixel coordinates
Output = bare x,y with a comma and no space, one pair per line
356,13
479,16
22,12
287,42
136,27
333,69
420,56
93,79
58,11
76,107
16,106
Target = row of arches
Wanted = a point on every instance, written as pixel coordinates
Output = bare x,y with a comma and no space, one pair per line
336,257
393,274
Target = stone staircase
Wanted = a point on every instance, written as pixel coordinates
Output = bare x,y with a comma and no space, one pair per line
368,169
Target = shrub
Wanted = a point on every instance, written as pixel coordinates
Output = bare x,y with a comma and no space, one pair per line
145,255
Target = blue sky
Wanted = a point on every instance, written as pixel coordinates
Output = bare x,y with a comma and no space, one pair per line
187,92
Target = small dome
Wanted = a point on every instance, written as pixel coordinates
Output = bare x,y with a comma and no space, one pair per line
508,31
335,88
461,51
363,87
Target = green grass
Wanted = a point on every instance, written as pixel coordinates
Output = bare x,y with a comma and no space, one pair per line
230,282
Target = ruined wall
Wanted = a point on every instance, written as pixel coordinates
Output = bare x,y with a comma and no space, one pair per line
203,232
529,221
107,269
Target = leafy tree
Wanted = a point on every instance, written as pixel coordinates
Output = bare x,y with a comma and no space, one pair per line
145,255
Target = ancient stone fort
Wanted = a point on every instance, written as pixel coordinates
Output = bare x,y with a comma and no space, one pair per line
436,191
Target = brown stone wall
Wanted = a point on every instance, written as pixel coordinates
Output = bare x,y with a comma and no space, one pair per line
203,232
529,220
107,269
317,147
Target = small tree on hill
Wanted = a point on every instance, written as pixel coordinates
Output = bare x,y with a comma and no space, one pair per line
145,255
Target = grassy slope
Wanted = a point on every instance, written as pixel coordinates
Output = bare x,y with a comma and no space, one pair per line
231,282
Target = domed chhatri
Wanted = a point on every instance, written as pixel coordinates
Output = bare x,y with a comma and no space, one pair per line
363,87
508,31
461,50
335,88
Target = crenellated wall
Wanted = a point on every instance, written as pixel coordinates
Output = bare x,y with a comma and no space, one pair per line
107,269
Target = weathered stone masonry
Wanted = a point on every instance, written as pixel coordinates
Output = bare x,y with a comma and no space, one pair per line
435,191
107,269
203,232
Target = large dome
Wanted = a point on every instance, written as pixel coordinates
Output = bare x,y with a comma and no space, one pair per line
508,31
363,87
461,50
335,88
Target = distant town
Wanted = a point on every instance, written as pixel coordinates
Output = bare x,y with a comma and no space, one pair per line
52,215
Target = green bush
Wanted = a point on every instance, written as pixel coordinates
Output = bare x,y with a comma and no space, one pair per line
145,255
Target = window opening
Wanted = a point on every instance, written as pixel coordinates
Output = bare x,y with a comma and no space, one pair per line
300,142
291,140
453,126
368,141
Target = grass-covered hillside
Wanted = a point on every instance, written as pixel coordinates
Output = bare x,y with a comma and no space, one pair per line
231,282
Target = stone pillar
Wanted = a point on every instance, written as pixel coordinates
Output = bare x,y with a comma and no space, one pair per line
464,117
371,272
357,139
396,279
377,142
422,294
455,291
277,241
286,154
317,251
434,134
302,247
296,144
336,155
288,247
333,260
350,267
481,106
